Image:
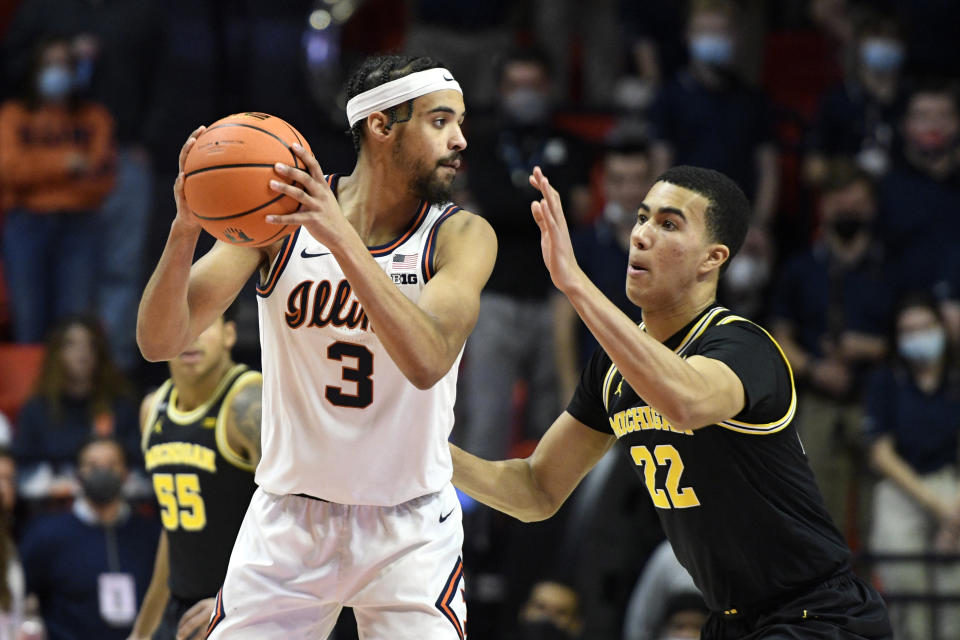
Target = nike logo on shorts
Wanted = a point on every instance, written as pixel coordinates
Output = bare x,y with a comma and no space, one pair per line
449,513
304,254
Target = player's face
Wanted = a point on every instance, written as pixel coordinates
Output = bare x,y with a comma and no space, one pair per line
430,145
669,247
207,353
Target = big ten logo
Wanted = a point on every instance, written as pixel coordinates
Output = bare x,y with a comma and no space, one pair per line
404,278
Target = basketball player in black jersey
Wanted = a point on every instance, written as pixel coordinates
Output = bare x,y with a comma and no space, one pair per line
201,443
702,402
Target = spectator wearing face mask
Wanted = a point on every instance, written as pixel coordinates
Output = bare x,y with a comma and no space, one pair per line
830,312
858,117
686,113
912,425
513,338
90,567
918,222
551,612
56,168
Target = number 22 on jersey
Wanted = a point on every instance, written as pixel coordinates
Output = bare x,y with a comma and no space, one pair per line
668,456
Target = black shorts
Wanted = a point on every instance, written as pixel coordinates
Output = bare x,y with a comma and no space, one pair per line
843,607
176,607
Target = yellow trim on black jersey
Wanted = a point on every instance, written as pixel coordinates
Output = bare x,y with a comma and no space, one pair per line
152,415
607,381
189,417
770,427
223,443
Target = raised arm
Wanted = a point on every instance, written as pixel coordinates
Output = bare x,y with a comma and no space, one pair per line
425,338
534,488
691,393
182,299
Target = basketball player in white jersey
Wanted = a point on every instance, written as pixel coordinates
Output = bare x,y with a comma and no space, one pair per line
364,312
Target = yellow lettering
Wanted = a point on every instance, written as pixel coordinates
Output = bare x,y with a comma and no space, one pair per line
187,453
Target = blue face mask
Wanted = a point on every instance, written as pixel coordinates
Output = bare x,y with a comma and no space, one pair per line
880,54
712,49
54,82
922,346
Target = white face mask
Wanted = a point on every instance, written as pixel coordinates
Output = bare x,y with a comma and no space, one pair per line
922,346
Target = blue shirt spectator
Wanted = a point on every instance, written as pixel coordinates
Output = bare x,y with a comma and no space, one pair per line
90,568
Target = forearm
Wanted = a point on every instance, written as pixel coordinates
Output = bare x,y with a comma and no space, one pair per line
768,183
565,345
505,485
665,381
886,461
163,319
410,335
155,599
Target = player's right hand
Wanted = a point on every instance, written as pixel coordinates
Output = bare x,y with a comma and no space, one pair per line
194,622
185,216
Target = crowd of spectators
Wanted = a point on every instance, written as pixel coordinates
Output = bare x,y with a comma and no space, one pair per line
839,118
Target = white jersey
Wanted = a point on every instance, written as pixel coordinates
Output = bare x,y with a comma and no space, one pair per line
340,420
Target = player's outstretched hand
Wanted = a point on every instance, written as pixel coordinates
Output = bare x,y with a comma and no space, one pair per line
194,622
319,210
554,235
184,215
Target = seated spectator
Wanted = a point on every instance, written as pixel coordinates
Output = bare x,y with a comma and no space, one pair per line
79,393
90,567
551,612
913,433
662,582
830,312
857,118
11,571
602,250
685,615
56,168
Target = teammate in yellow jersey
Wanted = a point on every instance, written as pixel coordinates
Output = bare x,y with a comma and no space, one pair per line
702,402
201,444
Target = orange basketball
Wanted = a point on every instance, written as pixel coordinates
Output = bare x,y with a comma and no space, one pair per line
227,177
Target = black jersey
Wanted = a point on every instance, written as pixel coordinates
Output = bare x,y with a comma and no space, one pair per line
203,487
737,500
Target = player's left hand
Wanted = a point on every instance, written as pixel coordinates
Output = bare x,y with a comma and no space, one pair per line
319,210
554,236
194,622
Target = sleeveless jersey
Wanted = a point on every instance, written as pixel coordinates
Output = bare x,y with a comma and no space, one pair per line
340,420
737,500
203,487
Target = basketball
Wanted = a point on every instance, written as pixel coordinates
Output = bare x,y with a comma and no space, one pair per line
227,175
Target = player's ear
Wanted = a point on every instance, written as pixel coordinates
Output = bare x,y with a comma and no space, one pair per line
378,125
717,254
229,333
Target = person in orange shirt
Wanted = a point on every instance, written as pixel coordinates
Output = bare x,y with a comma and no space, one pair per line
56,167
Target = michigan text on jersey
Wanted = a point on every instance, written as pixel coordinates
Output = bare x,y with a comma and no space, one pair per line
186,453
641,419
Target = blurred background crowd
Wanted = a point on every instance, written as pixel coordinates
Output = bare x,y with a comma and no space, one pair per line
840,120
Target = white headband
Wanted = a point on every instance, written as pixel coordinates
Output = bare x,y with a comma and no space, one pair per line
390,94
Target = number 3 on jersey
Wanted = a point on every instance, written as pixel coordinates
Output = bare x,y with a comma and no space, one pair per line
665,455
180,502
359,375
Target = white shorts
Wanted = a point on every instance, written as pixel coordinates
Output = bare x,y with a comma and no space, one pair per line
298,561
